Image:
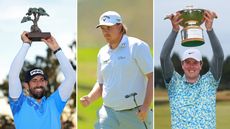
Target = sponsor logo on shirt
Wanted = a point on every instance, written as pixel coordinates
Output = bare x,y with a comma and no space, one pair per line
106,61
121,57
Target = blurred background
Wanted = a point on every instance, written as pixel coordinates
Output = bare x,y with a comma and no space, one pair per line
137,16
162,29
62,25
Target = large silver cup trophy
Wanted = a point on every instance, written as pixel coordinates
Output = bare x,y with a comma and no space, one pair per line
192,33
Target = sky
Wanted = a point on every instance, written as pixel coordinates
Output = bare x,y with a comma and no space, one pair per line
162,28
61,24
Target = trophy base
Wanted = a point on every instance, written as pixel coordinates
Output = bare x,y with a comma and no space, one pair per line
37,36
192,36
192,42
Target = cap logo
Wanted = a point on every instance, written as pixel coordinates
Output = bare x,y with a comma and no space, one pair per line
105,17
190,52
36,71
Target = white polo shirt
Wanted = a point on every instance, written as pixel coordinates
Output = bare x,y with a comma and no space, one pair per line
122,72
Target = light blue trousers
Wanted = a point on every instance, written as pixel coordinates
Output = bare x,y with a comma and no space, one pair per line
111,119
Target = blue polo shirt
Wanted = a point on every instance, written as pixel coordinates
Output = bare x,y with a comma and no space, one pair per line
29,114
193,106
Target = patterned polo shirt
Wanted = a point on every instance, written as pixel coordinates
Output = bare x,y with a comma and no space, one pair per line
193,106
29,114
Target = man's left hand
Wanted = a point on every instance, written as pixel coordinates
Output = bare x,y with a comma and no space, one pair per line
51,43
142,112
209,17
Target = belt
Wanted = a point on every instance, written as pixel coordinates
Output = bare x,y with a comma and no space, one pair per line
130,109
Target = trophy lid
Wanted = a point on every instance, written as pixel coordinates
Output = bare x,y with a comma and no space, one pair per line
190,8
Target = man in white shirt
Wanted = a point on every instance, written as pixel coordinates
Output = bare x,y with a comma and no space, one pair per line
125,78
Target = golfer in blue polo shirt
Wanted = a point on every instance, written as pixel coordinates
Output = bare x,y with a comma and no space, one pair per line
125,78
35,111
192,97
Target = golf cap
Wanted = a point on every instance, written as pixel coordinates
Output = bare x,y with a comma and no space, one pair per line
30,74
192,53
109,18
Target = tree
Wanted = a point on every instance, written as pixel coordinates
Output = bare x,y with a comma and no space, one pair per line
158,78
225,83
6,122
36,12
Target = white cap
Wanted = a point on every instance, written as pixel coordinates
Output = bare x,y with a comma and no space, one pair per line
109,18
192,53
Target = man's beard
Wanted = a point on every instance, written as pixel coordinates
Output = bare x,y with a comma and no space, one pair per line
37,94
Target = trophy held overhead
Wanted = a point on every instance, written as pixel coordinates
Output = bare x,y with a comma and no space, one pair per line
35,32
192,33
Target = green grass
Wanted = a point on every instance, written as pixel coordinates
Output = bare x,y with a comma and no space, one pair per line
162,115
87,63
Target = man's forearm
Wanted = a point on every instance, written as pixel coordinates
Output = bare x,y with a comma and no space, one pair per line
149,91
15,87
166,63
218,55
96,92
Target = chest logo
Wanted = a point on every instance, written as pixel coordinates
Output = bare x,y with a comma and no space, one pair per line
121,57
106,61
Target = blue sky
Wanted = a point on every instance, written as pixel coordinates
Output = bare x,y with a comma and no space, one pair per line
162,28
61,23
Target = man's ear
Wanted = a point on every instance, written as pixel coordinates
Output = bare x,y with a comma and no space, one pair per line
26,85
182,66
201,63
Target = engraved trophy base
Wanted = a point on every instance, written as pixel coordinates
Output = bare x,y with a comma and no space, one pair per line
192,42
192,36
37,36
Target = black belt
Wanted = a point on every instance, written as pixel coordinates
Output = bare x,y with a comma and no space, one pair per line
130,109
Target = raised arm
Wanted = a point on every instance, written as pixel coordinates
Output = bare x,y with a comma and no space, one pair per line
15,87
218,55
66,87
166,62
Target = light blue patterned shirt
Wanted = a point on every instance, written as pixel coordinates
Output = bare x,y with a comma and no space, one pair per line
29,114
193,106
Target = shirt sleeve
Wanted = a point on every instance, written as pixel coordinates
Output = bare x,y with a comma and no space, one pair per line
217,61
15,87
99,74
16,105
143,57
59,103
67,85
166,62
212,81
176,76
